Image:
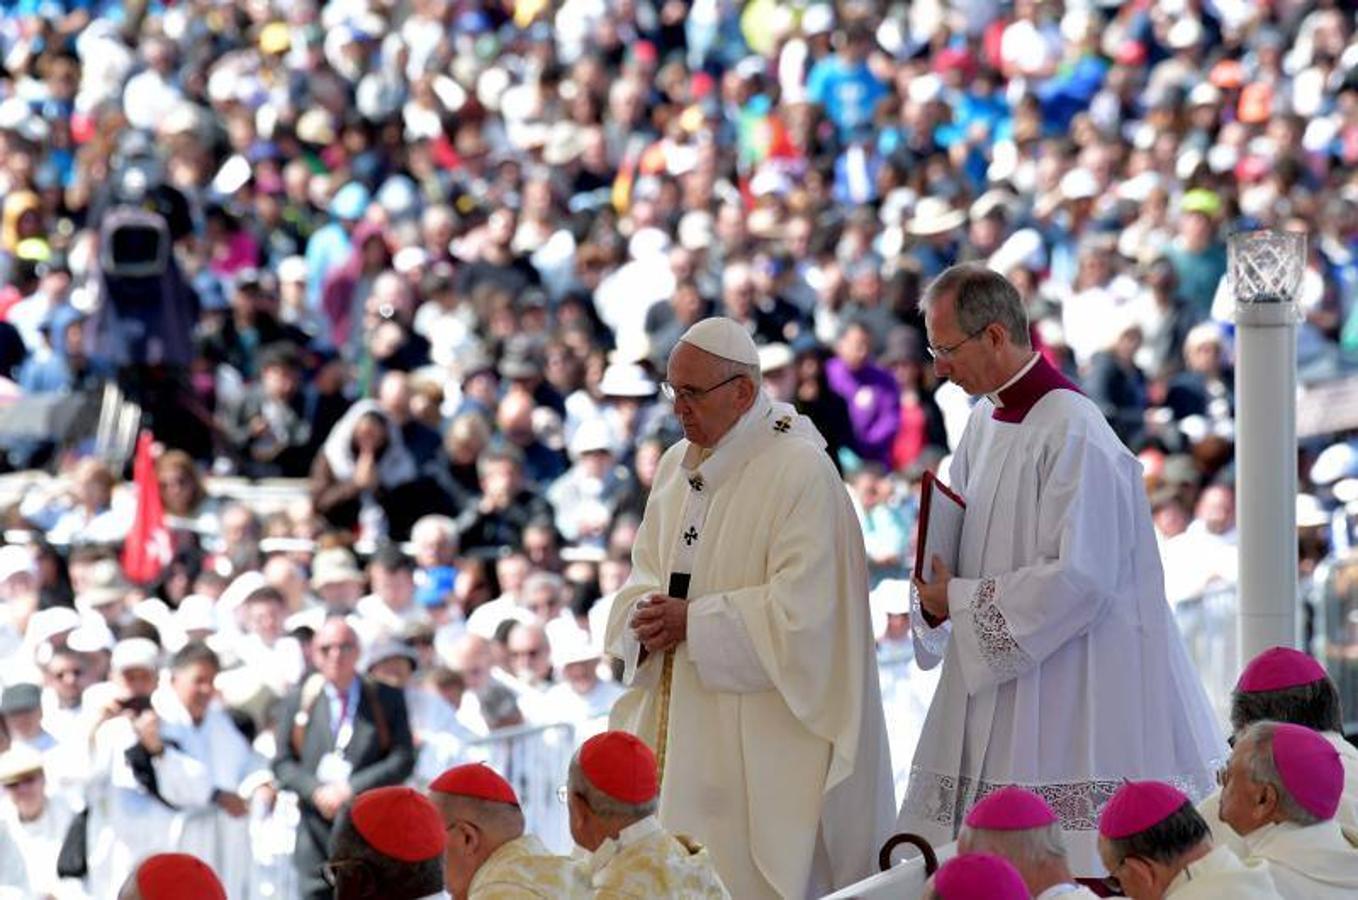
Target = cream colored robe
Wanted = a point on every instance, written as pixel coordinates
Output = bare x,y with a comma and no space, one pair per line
1221,875
1347,815
523,868
775,727
1317,862
645,862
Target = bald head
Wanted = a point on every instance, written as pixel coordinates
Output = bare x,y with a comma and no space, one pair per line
335,652
471,658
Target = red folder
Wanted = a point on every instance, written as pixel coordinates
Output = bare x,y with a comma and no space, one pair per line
933,492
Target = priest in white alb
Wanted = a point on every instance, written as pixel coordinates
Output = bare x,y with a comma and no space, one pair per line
746,638
1063,671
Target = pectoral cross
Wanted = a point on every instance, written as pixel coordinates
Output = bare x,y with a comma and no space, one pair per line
783,425
690,536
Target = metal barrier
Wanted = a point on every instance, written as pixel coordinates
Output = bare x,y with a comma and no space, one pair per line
1336,630
535,759
1208,623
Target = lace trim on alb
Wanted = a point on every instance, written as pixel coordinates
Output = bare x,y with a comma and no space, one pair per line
944,799
998,647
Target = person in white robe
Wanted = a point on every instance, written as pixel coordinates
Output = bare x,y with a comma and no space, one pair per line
139,783
1286,685
275,660
1155,845
580,696
217,829
391,607
36,822
1280,794
746,640
1019,826
1063,671
14,882
907,690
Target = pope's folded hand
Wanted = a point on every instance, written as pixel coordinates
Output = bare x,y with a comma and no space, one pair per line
660,622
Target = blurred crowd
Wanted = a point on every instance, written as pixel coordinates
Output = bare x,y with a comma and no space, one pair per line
432,256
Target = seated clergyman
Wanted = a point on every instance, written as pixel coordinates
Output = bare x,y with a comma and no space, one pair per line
613,791
1280,794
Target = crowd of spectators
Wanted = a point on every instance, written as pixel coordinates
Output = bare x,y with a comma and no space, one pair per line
431,258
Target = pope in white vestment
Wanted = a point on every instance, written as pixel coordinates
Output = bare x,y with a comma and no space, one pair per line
774,756
1063,671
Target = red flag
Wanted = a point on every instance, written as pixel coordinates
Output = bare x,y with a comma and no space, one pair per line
147,549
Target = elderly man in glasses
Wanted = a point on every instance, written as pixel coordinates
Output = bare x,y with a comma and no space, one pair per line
612,795
1280,794
745,636
338,735
1059,652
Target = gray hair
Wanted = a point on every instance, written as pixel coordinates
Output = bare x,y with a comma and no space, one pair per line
438,526
1025,847
1256,742
980,296
730,369
603,805
542,580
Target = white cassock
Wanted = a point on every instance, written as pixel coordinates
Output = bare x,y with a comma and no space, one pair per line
278,666
127,822
382,619
907,691
1346,815
776,756
1063,671
443,741
206,830
1316,862
13,868
588,712
39,842
1221,875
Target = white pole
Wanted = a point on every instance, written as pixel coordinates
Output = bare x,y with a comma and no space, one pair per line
1265,273
1266,475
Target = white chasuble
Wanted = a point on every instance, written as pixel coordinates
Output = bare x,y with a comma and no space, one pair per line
776,757
1220,875
1063,671
1315,862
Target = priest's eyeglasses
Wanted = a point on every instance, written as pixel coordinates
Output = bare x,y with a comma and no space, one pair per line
332,872
688,394
947,352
